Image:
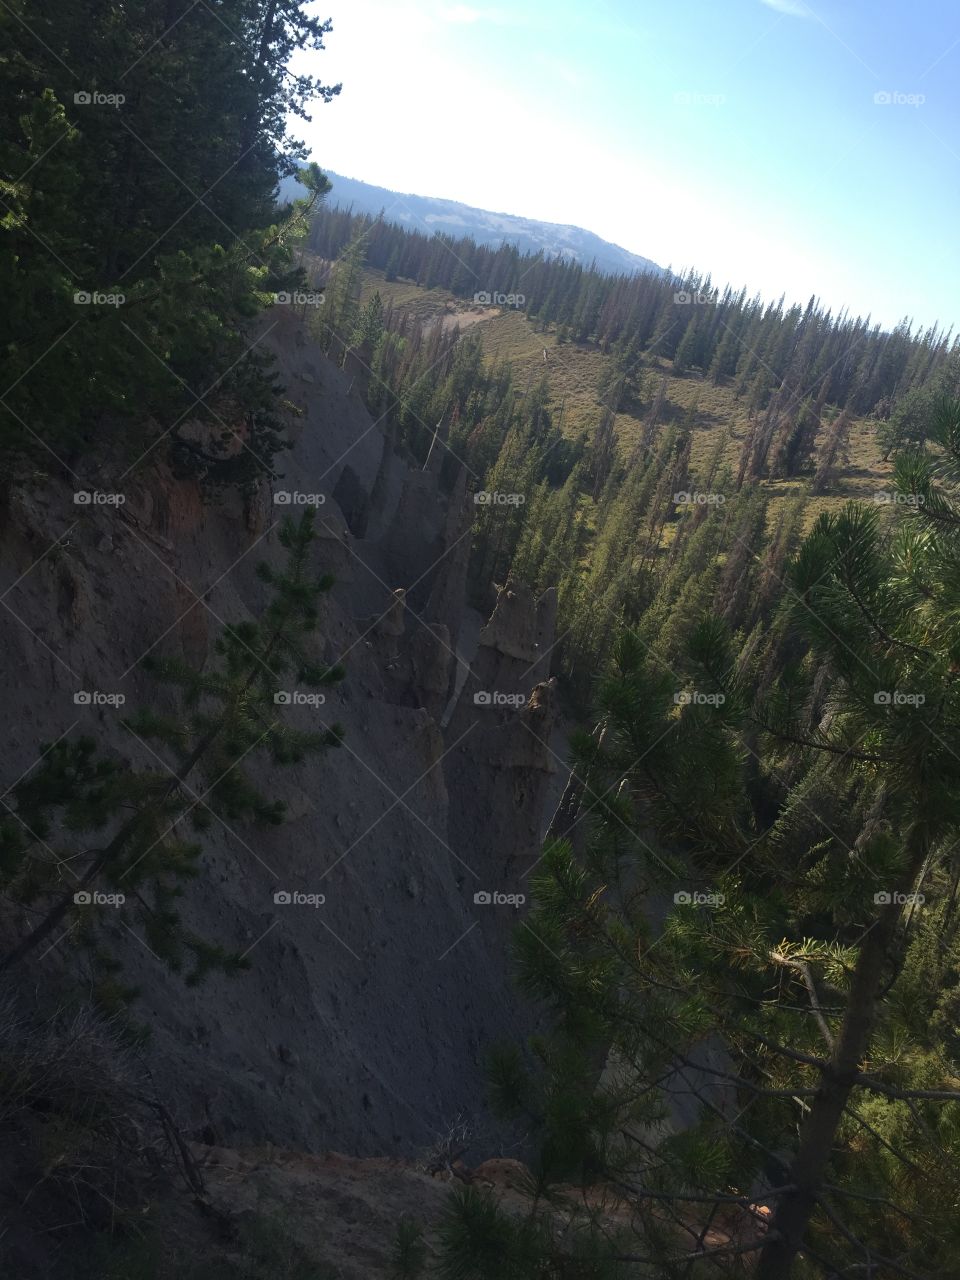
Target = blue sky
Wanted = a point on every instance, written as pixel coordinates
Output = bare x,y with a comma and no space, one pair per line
743,137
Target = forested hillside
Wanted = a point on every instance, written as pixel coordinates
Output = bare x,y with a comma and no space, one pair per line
134,249
482,226
765,348
669,443
746,909
489,717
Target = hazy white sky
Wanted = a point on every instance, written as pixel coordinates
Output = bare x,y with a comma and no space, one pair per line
792,147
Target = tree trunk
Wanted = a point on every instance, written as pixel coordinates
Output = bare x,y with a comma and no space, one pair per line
808,1171
103,859
251,125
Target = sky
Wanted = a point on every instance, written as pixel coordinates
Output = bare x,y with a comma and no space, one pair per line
791,147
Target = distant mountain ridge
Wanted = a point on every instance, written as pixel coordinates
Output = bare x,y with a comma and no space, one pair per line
431,214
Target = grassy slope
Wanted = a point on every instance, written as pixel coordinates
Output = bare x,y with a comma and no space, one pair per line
574,372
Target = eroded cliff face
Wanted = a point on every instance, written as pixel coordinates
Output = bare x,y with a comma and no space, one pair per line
363,1022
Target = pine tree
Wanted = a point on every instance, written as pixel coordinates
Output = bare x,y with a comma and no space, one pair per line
832,453
229,712
336,321
150,230
797,990
368,329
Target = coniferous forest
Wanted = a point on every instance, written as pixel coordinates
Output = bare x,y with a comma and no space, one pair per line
765,697
742,941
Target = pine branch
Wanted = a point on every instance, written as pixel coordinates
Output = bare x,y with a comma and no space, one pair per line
726,1250
872,1258
817,744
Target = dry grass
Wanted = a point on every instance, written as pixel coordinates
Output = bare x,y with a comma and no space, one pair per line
574,373
425,304
82,1132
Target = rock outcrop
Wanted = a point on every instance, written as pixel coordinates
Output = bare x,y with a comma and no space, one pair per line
500,764
362,1023
448,593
